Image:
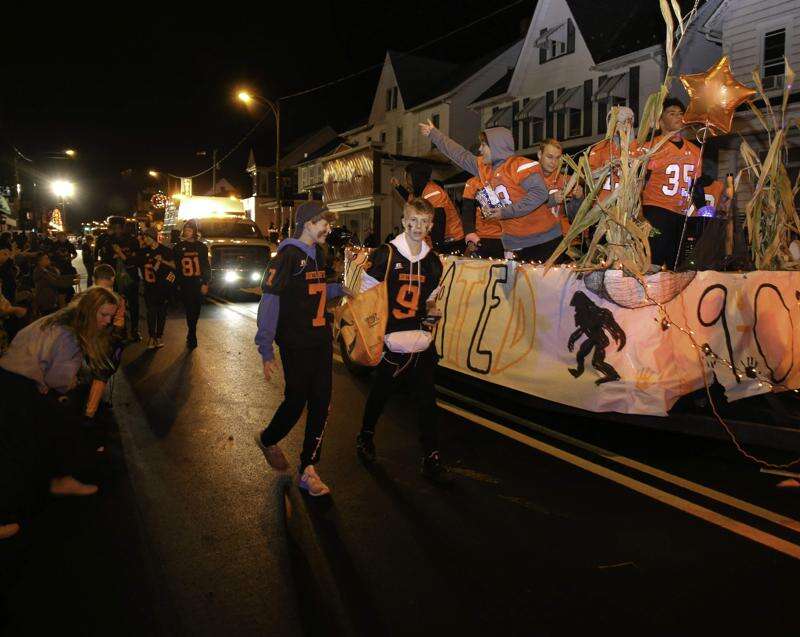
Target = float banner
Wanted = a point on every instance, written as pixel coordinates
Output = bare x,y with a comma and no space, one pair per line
598,343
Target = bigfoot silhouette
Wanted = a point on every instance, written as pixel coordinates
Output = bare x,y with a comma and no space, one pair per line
593,322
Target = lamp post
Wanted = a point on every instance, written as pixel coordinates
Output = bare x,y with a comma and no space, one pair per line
63,189
275,107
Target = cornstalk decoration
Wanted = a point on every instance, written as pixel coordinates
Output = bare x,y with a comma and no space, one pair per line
771,215
618,218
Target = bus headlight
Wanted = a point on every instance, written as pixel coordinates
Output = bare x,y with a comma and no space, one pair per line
256,276
231,276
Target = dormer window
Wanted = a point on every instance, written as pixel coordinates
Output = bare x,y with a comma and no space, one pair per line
556,41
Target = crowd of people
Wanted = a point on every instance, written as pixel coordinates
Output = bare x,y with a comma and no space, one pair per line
61,345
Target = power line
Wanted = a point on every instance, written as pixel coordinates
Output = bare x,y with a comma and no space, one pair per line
349,77
402,55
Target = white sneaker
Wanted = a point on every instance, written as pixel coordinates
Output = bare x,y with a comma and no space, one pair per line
159,343
151,343
312,483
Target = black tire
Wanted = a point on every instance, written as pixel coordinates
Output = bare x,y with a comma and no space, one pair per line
359,371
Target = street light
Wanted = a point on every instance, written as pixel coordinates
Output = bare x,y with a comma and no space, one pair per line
63,189
70,152
275,107
153,173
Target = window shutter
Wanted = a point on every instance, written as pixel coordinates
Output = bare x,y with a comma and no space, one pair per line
560,118
549,99
514,124
633,92
570,36
602,110
587,108
542,51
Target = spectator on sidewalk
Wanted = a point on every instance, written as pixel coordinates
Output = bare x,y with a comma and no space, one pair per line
40,430
50,286
88,258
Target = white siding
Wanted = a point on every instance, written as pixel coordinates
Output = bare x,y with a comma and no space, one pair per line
743,25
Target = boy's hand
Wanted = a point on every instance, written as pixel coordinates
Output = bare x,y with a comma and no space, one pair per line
269,369
426,128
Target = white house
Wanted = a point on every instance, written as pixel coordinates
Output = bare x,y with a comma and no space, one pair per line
578,59
757,35
411,89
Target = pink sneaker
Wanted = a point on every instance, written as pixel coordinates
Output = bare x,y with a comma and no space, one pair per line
311,483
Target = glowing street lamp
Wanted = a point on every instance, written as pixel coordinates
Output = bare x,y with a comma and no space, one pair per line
70,152
63,189
153,173
248,98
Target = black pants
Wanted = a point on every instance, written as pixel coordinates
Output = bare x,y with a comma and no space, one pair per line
307,372
193,303
156,302
491,249
418,372
664,246
131,294
40,438
539,252
89,272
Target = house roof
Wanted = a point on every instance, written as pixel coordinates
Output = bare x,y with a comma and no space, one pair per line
423,79
619,28
500,87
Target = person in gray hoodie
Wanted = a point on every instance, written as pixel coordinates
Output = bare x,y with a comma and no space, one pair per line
292,314
530,230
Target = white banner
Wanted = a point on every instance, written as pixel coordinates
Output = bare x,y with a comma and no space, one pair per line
597,343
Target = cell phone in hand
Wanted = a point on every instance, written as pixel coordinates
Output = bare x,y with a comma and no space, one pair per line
431,320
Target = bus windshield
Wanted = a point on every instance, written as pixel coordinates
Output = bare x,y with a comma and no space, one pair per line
228,229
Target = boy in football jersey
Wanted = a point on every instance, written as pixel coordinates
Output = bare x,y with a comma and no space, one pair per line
447,234
482,235
608,151
292,314
409,356
530,230
669,180
194,273
158,272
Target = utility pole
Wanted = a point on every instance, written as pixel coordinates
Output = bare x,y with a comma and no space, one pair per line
214,173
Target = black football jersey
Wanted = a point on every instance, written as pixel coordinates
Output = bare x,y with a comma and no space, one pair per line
299,281
409,286
157,275
191,261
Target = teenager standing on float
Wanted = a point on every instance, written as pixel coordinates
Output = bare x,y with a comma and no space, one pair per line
409,356
194,275
292,314
529,228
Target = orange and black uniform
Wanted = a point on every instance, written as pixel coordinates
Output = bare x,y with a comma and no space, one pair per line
489,231
292,314
447,234
667,195
193,271
158,280
602,153
411,283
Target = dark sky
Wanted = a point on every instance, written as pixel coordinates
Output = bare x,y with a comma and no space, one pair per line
151,87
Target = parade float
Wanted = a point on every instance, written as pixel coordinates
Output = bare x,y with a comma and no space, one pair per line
606,333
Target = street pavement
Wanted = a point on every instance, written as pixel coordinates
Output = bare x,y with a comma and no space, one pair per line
193,534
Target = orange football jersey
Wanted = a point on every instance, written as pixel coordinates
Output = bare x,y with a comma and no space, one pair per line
713,193
485,228
672,171
506,180
600,155
556,181
438,198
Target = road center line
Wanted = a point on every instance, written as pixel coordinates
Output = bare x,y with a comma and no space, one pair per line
723,521
724,498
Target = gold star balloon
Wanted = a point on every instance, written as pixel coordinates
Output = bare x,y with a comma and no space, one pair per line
714,95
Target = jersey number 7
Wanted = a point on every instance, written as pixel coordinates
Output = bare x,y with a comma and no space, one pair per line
318,288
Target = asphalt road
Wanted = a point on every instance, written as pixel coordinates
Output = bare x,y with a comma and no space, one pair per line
193,534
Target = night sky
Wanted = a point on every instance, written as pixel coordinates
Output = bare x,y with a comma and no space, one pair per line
150,89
